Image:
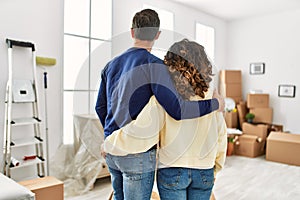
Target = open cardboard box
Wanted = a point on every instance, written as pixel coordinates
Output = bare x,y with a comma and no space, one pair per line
260,130
249,146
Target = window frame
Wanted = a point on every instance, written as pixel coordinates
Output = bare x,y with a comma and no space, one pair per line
89,91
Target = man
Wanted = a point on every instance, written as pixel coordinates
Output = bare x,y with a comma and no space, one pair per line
128,82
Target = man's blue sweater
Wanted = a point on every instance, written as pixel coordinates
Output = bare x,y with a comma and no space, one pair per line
128,82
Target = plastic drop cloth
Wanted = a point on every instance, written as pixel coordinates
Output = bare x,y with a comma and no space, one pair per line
79,164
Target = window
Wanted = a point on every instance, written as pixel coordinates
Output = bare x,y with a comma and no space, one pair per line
87,47
167,27
205,35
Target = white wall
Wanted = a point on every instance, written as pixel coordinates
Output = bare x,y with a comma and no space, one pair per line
273,39
40,22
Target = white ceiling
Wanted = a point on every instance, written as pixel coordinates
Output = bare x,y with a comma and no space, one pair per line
240,9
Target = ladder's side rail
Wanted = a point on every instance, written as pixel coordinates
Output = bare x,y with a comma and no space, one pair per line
39,147
5,135
9,113
36,113
36,109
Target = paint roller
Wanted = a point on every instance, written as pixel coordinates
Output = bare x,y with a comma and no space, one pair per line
46,62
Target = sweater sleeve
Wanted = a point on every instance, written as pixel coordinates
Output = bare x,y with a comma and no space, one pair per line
222,144
140,134
163,88
101,103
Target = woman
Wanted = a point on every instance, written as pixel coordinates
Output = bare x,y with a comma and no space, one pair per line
192,151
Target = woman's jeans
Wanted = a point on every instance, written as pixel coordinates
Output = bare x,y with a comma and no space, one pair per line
132,175
185,183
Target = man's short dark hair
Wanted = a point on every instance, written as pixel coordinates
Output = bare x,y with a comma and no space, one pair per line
145,24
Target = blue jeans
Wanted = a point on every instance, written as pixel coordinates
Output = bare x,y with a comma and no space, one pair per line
132,175
185,183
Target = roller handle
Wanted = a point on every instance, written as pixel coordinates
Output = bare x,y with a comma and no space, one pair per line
12,43
45,80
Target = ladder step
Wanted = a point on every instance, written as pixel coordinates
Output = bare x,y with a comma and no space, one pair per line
25,142
25,121
24,163
27,102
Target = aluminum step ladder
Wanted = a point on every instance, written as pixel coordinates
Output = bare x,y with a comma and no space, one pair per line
21,93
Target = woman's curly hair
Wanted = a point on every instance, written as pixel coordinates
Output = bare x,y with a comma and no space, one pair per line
189,67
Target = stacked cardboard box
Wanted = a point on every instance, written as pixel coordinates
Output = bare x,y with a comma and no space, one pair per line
258,104
252,142
230,84
283,147
242,110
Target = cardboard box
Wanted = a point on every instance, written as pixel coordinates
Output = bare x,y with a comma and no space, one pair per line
231,89
46,188
260,130
262,115
258,100
284,148
231,76
231,119
249,146
242,111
